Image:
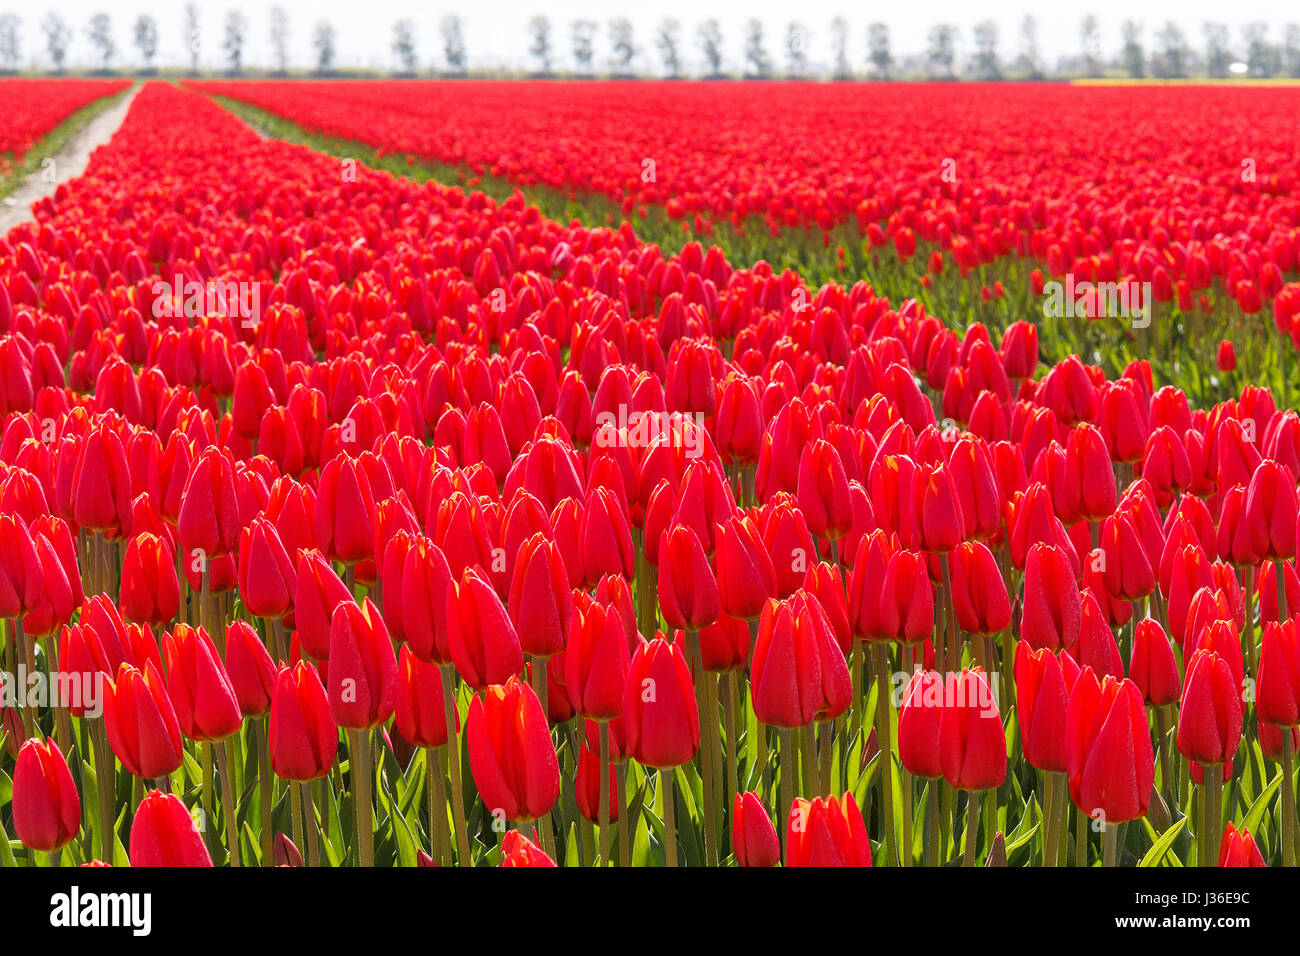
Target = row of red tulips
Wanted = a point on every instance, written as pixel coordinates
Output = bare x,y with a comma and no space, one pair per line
670,536
34,107
1155,197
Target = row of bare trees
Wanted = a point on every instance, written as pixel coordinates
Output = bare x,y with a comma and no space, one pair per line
1171,53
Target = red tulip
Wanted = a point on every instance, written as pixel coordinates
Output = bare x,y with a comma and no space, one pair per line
918,724
541,601
518,850
978,592
753,837
659,712
303,737
20,569
345,511
1209,721
1277,693
827,831
268,579
150,593
823,490
1270,512
483,642
142,726
163,834
199,688
1052,613
362,667
420,715
939,518
318,595
511,754
1152,666
46,807
890,594
746,577
972,748
1043,684
1238,847
798,674
596,662
250,668
208,522
688,591
1108,748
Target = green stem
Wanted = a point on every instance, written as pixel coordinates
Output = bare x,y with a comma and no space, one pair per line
362,804
670,815
972,826
228,804
886,758
453,765
605,833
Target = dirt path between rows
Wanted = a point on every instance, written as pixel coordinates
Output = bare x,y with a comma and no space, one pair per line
69,162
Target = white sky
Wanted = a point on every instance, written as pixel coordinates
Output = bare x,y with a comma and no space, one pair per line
496,30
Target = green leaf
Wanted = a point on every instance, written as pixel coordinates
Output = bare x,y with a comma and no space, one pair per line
1155,856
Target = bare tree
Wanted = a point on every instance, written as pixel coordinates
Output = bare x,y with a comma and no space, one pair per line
1090,38
1133,56
100,33
404,44
755,53
192,35
1291,49
796,46
1260,57
10,47
1030,62
941,52
146,38
621,42
583,35
322,41
57,38
540,30
986,51
233,43
1171,61
280,38
710,36
453,44
878,50
668,40
840,47
1218,56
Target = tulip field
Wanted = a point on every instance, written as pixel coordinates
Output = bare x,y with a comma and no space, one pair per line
652,474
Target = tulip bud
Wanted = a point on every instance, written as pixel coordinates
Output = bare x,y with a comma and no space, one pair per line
303,737
798,674
541,601
250,668
362,667
1043,683
659,711
753,837
46,807
1108,748
972,748
511,754
141,723
596,662
420,715
688,591
482,640
163,834
199,688
1209,721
